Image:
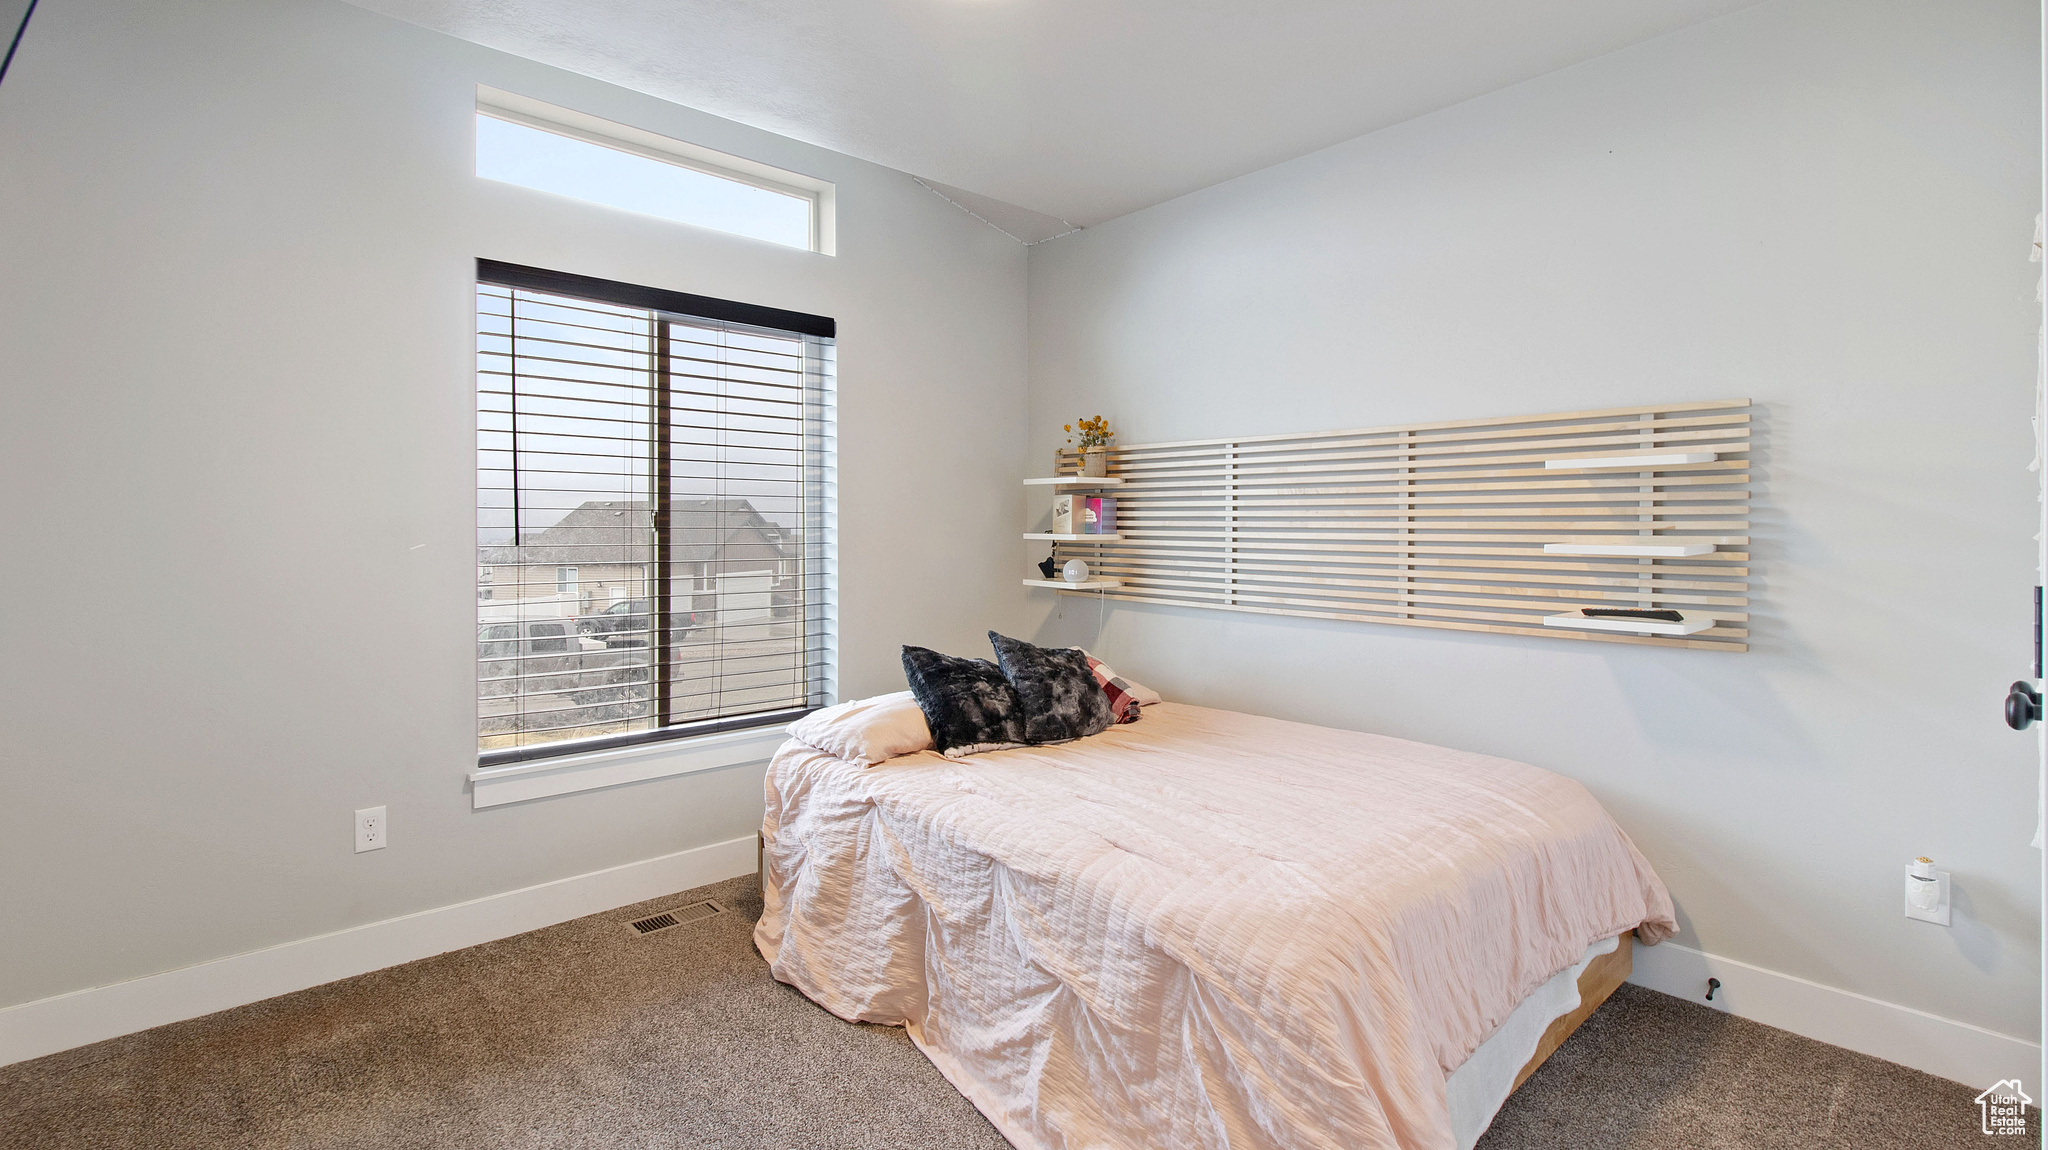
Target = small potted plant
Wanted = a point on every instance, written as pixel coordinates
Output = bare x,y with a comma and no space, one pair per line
1095,436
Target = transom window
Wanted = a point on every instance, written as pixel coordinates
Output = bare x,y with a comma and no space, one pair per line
653,513
520,140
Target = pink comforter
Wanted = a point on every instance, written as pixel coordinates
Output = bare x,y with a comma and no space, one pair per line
1204,929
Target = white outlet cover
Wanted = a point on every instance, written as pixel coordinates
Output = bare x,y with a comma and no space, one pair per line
373,833
1940,914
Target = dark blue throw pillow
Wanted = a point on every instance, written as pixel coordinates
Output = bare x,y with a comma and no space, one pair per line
1060,697
967,703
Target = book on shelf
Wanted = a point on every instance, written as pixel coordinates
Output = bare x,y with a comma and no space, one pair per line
1098,514
1063,514
1074,514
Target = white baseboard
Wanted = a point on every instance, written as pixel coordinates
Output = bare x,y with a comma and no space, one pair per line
1958,1051
1941,1046
48,1025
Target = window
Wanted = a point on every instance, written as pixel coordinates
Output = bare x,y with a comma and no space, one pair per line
535,145
677,450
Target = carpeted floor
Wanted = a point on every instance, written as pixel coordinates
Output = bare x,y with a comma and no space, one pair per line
1653,1072
584,1035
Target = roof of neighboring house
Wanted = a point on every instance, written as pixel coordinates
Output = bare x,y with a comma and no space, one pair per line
619,532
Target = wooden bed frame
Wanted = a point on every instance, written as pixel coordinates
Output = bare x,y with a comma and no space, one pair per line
1632,506
1596,982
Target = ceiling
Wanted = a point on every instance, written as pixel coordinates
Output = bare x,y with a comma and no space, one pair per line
1081,110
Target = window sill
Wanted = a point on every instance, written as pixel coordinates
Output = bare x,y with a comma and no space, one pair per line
519,782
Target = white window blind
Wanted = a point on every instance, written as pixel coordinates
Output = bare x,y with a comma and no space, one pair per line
653,495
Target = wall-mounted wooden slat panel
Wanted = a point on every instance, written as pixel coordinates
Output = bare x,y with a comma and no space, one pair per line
1444,524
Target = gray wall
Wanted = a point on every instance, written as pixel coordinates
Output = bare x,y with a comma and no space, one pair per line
1821,204
236,469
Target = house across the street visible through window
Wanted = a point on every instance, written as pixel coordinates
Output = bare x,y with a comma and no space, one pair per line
652,548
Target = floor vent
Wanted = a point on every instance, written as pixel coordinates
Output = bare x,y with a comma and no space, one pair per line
679,916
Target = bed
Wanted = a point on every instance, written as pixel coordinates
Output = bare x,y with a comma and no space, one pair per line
1207,929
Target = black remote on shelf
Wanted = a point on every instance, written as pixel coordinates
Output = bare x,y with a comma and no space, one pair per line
1631,613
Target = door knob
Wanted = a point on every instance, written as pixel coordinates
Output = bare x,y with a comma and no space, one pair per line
2022,706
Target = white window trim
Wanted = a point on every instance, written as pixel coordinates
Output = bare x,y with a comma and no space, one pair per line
520,782
517,109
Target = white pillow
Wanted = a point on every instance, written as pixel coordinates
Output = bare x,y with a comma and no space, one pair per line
866,731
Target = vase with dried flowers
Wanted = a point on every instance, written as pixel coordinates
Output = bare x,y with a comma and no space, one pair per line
1095,436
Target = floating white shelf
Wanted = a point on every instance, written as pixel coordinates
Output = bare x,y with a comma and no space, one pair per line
1075,481
1646,461
1085,585
1631,626
1049,537
1646,550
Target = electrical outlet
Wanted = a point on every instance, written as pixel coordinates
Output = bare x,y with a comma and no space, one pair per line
1927,894
372,834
